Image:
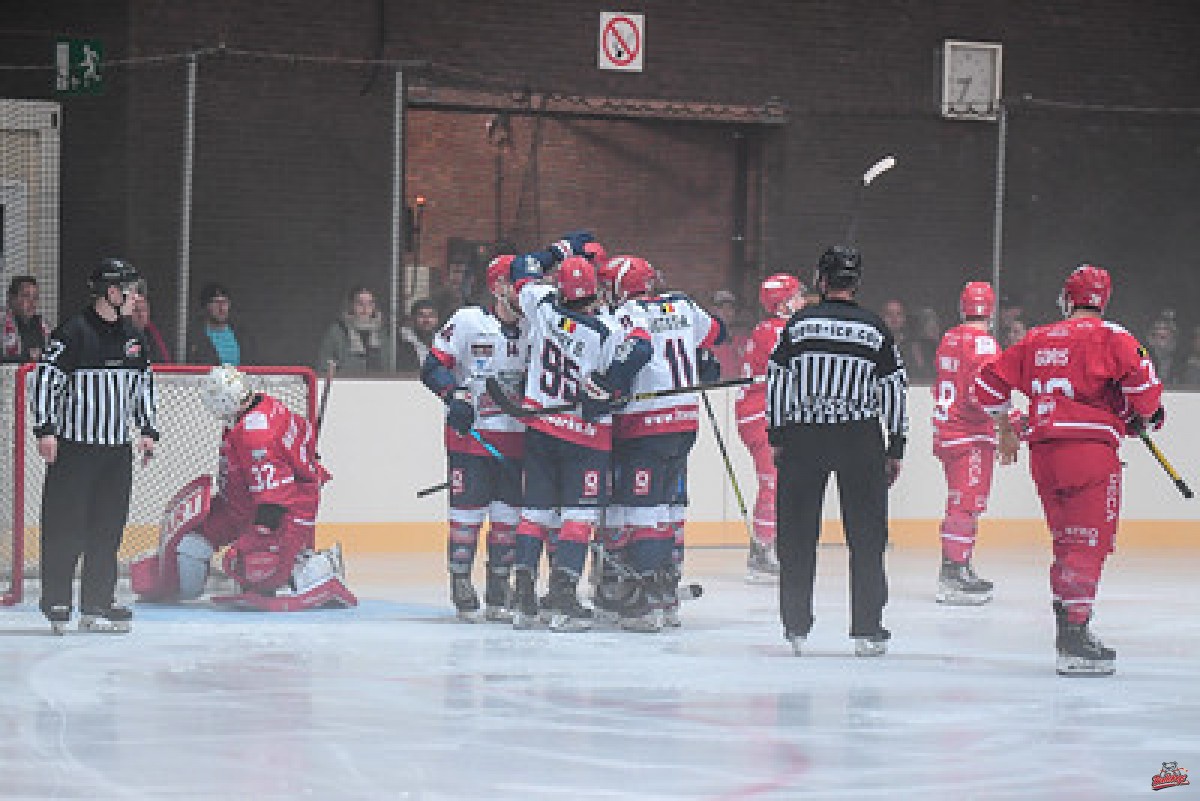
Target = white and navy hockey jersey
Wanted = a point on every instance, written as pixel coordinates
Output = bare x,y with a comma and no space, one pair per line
475,345
565,346
677,328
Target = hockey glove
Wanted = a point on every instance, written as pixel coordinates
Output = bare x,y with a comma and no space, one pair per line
460,413
708,368
891,469
1154,422
571,244
1157,419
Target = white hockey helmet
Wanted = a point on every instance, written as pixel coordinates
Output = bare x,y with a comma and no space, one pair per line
225,392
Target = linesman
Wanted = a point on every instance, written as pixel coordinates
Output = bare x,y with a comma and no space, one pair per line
92,383
834,376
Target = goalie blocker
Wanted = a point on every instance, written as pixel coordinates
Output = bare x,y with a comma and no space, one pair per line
178,570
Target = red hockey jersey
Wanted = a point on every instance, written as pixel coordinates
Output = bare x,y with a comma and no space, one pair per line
751,400
958,419
1085,379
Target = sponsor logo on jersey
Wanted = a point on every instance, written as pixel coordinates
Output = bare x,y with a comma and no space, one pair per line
482,349
1051,357
948,364
668,322
984,346
133,348
258,454
836,330
255,421
568,325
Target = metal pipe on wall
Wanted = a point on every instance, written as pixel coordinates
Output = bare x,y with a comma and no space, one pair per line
185,210
398,211
998,212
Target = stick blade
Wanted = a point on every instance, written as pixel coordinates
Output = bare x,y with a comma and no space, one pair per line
878,169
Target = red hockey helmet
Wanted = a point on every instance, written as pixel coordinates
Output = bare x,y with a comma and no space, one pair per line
776,289
1087,285
576,278
977,300
634,276
595,253
498,268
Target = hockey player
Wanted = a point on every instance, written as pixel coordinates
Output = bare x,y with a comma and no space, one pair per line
781,296
575,357
652,438
473,345
1088,382
964,440
269,485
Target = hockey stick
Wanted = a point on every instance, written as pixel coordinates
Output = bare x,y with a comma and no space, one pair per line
737,490
516,411
877,169
1180,484
330,367
487,446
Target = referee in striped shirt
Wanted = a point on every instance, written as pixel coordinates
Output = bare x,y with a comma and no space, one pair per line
91,386
834,376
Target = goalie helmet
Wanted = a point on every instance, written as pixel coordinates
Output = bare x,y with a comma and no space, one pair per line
977,300
499,267
840,267
225,391
1087,286
634,276
576,278
776,289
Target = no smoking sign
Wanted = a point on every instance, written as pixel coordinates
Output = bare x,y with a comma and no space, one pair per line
622,41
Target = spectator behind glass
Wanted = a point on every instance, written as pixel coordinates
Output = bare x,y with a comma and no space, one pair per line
896,319
139,314
1010,326
25,332
358,343
1162,342
417,337
927,334
214,339
729,353
1191,364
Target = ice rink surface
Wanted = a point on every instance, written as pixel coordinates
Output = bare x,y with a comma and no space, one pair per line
397,700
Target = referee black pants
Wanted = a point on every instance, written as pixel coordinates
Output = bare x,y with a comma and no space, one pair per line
85,503
854,453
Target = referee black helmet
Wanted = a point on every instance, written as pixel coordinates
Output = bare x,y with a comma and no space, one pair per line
111,272
840,267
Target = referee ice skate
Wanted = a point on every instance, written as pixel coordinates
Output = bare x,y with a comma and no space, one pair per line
93,381
833,377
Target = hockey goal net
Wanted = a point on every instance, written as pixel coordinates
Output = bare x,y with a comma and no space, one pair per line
189,446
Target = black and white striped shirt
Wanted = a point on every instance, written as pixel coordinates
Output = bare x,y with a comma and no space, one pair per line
93,382
837,362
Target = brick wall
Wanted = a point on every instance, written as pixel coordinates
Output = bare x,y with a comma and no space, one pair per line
293,163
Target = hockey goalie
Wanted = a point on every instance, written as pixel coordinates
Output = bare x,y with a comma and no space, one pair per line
264,511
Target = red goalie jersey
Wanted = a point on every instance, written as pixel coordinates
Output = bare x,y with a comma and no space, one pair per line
958,419
1085,378
267,457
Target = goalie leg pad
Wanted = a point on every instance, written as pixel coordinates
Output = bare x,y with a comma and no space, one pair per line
332,593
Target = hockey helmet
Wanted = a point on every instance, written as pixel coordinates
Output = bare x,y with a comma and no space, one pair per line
1087,286
776,289
224,392
112,272
499,267
634,276
576,278
596,254
840,267
977,300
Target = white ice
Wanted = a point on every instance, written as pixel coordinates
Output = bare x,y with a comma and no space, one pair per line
397,700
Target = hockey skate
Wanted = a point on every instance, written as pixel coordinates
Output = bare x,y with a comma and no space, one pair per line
638,613
762,567
959,586
670,598
568,614
525,602
462,593
496,597
60,618
609,598
107,620
1080,653
873,645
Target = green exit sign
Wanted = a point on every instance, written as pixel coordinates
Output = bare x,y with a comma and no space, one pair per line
77,67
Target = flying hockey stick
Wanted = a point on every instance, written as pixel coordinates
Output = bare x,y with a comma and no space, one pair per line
877,169
516,411
737,490
1180,484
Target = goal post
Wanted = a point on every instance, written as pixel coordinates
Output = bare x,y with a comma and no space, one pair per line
189,446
